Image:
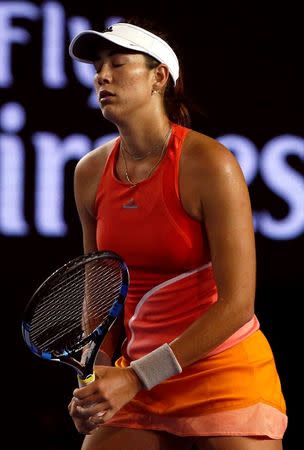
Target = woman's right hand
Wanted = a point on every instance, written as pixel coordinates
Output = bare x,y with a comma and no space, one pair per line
83,424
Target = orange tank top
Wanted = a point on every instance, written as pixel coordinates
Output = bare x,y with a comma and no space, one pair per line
167,252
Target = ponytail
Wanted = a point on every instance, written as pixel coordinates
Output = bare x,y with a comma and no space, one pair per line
175,103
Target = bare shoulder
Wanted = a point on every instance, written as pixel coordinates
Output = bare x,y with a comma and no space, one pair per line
92,164
88,172
203,153
206,167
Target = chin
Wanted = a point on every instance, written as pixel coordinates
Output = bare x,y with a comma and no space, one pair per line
111,115
108,114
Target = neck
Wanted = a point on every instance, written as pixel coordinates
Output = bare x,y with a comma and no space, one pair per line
140,140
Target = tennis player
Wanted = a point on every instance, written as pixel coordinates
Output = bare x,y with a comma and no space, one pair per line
195,370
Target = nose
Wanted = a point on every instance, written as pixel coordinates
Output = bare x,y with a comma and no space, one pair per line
104,74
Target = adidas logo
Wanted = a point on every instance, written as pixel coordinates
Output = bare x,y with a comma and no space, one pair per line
131,204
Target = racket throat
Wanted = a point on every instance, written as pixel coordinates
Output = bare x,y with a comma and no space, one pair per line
72,362
86,373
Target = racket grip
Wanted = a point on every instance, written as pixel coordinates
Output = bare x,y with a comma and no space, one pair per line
85,381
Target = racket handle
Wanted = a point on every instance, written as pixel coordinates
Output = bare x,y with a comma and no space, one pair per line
85,381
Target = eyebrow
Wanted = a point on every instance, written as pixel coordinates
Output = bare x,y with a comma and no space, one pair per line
114,52
111,53
118,51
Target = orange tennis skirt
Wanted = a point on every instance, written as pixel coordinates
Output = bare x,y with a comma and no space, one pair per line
233,393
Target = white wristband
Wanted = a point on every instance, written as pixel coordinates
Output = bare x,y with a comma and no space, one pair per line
156,366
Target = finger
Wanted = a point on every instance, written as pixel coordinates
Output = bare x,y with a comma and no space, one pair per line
84,403
92,423
72,407
86,391
98,418
89,389
92,410
87,427
77,413
84,425
91,400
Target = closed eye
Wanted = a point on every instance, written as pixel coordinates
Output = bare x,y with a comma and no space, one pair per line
98,67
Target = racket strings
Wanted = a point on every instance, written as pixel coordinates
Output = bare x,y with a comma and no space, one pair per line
64,329
74,306
94,313
57,292
95,304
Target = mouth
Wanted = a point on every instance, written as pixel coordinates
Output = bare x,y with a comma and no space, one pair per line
105,95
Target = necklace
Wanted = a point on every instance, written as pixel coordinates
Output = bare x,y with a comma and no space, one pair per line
153,167
137,158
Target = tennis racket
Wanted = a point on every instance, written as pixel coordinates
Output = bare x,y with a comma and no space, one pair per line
69,315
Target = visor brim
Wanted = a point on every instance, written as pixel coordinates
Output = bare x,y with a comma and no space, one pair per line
87,45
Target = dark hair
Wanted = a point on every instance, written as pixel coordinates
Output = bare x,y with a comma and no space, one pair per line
175,101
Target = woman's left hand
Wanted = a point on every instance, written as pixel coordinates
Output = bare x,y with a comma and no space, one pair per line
100,400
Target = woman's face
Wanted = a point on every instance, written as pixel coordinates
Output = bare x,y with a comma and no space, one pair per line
123,83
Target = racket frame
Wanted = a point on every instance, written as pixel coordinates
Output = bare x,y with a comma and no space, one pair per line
95,338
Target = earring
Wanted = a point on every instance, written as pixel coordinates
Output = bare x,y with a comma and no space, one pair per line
154,91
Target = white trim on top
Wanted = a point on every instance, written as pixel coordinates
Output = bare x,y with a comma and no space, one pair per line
155,289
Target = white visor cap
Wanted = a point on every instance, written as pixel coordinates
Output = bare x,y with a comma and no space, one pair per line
85,45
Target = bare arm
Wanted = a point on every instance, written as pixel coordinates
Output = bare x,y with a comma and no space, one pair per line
226,210
86,178
84,198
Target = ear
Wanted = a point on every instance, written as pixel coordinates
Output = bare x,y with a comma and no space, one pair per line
161,75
